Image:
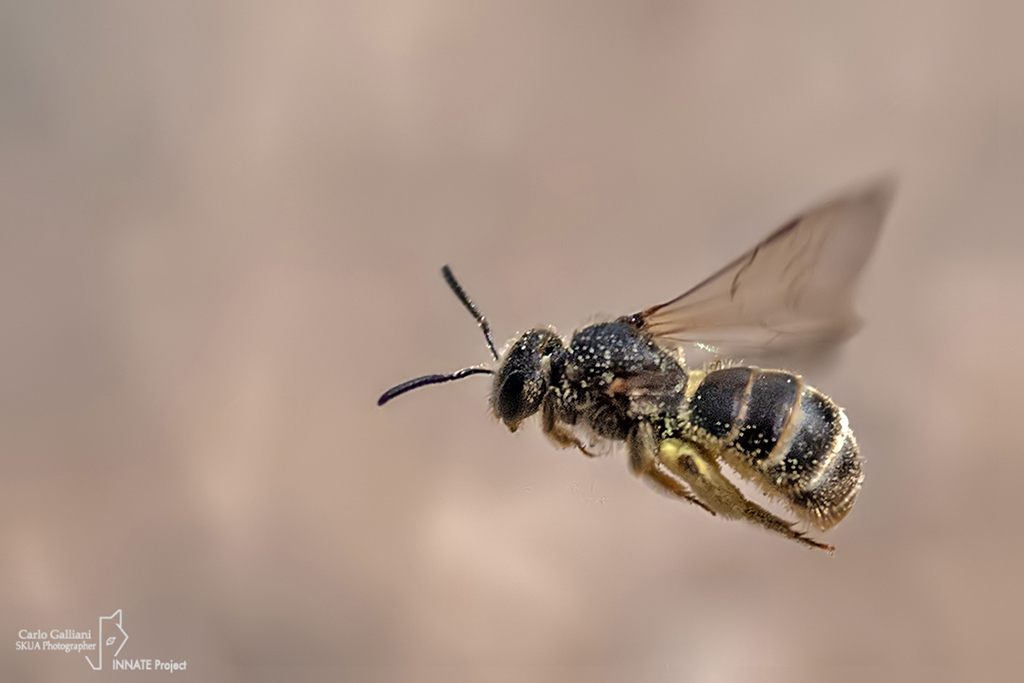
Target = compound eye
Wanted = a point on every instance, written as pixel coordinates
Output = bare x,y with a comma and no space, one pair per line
510,397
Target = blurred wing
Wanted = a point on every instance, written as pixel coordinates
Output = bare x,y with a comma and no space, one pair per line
790,292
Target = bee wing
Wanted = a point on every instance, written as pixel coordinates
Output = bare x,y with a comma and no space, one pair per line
791,292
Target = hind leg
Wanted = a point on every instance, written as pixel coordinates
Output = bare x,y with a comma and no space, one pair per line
643,460
700,470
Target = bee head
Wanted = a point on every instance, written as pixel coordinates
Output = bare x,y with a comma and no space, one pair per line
524,377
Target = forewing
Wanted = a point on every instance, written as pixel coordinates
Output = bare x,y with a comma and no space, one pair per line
791,292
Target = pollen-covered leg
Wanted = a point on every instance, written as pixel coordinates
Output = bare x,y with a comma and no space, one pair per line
701,471
644,463
559,435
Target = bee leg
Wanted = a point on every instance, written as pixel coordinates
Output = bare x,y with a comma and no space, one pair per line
700,470
644,462
559,435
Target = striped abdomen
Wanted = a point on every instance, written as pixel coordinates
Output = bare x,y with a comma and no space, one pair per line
788,437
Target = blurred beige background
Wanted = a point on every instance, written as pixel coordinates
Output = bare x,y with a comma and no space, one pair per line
222,229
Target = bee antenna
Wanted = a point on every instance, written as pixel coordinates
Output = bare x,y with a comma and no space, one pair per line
449,277
429,379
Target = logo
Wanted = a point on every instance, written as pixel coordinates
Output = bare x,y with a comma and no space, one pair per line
113,622
110,640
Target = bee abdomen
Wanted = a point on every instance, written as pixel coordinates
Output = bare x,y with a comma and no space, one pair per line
746,409
791,438
719,401
820,466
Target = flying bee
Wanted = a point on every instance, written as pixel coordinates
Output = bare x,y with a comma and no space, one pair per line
627,380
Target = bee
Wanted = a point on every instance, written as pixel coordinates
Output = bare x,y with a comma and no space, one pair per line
627,380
